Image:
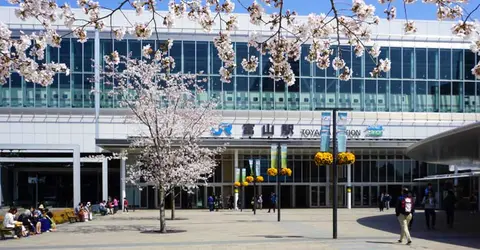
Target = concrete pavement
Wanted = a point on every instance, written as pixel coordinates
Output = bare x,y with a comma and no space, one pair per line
299,229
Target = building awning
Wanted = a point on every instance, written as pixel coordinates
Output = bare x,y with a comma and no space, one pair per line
459,146
448,176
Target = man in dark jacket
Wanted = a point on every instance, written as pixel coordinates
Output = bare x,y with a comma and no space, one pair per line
449,203
403,210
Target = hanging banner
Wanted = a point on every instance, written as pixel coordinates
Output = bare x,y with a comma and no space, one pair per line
250,163
237,174
325,132
273,156
342,132
284,155
244,174
257,167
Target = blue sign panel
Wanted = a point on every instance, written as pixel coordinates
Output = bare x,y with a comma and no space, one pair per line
223,128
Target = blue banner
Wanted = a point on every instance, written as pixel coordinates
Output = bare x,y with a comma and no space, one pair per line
284,155
342,132
325,132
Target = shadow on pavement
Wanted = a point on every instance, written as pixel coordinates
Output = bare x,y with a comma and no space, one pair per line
466,231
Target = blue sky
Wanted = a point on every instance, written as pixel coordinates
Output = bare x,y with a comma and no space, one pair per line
305,7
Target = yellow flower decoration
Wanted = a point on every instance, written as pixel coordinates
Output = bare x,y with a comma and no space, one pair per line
286,171
249,179
245,183
345,158
272,172
323,158
237,184
259,178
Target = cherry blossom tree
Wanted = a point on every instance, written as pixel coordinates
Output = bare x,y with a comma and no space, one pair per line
349,25
170,121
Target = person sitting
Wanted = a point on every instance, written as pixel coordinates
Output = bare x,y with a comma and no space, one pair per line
35,219
46,224
49,215
28,226
79,212
9,222
102,208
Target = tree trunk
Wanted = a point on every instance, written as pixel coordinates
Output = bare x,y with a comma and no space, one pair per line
173,204
163,224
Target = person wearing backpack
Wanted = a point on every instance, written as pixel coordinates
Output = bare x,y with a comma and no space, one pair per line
403,210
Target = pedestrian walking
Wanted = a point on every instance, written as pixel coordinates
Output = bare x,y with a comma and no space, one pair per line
210,203
473,203
125,205
430,203
381,204
260,202
387,198
115,205
449,203
273,201
403,210
414,201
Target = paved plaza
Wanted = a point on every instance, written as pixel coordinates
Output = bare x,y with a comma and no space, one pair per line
299,229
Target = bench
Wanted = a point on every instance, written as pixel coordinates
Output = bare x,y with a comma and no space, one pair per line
71,216
5,231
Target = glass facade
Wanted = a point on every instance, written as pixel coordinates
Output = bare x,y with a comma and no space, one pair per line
421,80
374,171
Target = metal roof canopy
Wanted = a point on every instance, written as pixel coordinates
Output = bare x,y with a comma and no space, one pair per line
459,146
448,176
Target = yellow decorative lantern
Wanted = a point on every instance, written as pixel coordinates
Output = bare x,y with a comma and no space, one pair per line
272,172
249,179
323,158
237,184
345,158
286,171
245,183
259,179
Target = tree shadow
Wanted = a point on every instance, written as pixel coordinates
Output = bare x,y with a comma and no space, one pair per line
465,232
169,231
143,218
277,236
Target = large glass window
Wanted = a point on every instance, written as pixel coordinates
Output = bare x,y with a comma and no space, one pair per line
445,96
408,63
457,64
304,64
305,94
202,57
421,63
370,95
396,97
396,58
470,97
432,96
421,96
319,94
241,53
357,95
433,63
189,57
176,52
469,64
445,64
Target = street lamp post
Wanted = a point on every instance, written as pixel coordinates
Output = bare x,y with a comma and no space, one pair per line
279,166
335,170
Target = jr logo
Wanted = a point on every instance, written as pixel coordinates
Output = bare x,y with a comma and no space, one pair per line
222,128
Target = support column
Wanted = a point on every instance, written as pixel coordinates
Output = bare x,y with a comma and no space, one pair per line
77,197
97,86
234,171
327,188
292,195
349,186
105,179
123,194
455,181
1,192
478,193
15,185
